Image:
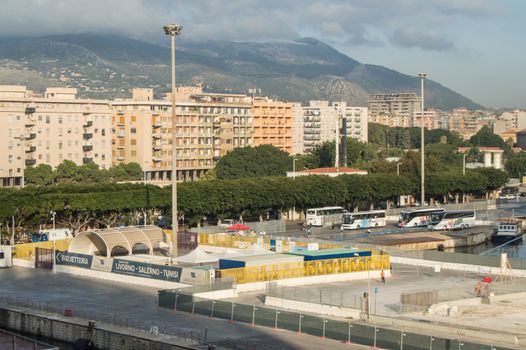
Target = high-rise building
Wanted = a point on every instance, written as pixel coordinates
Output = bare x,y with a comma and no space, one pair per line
400,104
50,128
208,127
273,123
464,122
320,120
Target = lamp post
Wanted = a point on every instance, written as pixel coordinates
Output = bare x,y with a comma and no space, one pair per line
398,168
422,77
294,177
464,164
144,178
173,30
54,234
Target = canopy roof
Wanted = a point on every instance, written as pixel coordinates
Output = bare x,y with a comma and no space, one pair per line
120,241
196,256
238,227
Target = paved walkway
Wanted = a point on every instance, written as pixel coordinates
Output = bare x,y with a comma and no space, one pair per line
100,299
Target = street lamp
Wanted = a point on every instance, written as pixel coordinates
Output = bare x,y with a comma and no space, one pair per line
173,30
54,234
398,168
464,164
144,178
422,77
294,177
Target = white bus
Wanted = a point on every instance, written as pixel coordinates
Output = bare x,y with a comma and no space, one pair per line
326,216
417,217
452,220
363,219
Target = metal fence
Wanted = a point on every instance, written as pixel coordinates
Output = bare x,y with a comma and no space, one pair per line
128,323
345,331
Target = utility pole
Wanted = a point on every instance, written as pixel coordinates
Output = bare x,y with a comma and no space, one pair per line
422,77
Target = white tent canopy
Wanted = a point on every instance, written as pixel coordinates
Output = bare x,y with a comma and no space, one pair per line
196,256
257,250
230,253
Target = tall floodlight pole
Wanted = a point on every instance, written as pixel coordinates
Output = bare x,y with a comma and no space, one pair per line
422,77
173,30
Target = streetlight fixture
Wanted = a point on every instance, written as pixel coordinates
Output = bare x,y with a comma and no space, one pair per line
54,234
172,30
422,77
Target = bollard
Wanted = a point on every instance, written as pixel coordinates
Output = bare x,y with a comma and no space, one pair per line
253,315
212,309
232,314
299,326
376,330
323,334
349,333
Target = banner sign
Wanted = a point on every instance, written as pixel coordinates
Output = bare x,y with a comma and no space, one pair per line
73,259
140,269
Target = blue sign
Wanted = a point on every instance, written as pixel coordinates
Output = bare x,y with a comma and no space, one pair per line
73,259
140,269
273,245
375,290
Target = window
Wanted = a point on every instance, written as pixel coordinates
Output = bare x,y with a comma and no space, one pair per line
103,132
133,142
60,121
133,130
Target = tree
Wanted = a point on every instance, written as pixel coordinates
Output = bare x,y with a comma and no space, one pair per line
210,174
67,172
486,138
41,175
264,160
516,166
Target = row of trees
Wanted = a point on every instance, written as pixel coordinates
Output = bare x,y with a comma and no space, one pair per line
69,172
102,205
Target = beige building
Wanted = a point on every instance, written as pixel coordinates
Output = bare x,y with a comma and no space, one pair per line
320,121
465,122
273,123
208,125
49,129
510,120
394,104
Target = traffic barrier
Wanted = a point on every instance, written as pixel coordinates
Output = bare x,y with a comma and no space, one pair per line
27,250
274,272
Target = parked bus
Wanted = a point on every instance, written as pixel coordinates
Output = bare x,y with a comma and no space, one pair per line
417,217
326,216
363,219
453,220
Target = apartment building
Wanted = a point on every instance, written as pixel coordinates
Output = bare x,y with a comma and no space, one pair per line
320,121
510,120
394,104
208,127
50,128
464,122
273,123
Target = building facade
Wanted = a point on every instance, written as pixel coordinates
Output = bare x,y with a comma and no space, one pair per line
50,128
208,127
273,123
321,120
394,104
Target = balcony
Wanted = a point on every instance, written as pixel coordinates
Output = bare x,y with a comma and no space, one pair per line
313,137
120,134
311,132
157,136
30,121
30,162
120,159
30,110
88,123
87,136
87,148
157,148
31,149
157,160
157,125
31,136
86,160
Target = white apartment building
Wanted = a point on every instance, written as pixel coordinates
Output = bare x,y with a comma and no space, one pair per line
394,104
49,129
320,120
510,120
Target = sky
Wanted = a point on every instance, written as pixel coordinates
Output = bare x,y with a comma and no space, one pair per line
475,47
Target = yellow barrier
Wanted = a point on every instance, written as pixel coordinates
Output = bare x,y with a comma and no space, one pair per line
308,268
27,250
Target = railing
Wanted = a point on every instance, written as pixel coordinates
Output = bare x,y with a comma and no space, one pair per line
345,331
137,325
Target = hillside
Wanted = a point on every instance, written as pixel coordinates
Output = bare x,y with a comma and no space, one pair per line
302,70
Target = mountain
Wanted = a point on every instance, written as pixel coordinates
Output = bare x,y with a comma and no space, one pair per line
108,66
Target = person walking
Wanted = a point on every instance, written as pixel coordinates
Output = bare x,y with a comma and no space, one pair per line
382,276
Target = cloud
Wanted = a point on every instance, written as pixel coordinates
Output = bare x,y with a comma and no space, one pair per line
341,22
412,37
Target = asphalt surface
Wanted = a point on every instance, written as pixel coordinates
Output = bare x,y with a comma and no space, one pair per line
103,300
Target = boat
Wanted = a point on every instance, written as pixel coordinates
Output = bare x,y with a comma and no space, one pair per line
508,230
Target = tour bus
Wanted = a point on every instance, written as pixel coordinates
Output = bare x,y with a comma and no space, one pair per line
453,220
326,216
363,219
417,217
